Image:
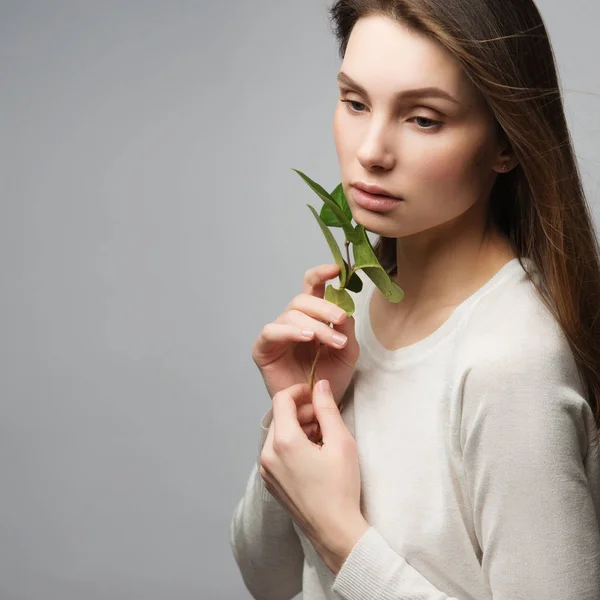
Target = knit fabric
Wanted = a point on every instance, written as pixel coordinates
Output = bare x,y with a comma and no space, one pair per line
479,461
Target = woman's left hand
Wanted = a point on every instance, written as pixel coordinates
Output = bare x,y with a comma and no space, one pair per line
318,485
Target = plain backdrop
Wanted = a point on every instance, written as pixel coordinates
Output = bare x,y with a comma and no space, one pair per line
150,226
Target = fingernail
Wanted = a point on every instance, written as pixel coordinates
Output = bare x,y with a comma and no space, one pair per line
339,338
323,386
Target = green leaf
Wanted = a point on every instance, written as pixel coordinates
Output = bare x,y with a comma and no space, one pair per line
335,249
347,226
341,298
355,283
340,199
336,213
327,215
365,259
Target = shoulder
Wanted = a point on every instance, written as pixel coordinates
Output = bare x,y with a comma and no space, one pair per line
517,367
511,332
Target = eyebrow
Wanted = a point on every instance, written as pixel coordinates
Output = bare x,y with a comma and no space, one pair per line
424,92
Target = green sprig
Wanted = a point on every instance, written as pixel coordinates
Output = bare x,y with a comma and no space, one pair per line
336,213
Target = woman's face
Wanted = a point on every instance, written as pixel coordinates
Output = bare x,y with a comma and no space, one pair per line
440,156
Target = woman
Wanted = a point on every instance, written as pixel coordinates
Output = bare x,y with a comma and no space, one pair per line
465,464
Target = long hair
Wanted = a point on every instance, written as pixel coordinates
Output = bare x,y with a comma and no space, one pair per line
504,49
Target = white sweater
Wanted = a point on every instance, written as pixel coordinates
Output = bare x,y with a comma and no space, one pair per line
479,463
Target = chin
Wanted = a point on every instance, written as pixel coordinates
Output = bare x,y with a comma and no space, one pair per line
375,230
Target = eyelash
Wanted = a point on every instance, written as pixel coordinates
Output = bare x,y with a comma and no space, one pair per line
437,124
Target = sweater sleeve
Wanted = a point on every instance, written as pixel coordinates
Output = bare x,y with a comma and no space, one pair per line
375,571
532,468
265,545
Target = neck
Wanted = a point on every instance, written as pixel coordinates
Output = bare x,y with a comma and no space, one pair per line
443,266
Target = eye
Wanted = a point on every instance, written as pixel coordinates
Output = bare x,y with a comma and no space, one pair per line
436,124
348,102
428,124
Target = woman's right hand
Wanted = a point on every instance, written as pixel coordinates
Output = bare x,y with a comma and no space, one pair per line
285,356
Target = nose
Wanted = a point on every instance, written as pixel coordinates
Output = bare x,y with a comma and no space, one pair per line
374,152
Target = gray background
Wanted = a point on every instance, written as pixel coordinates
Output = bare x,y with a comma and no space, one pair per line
150,227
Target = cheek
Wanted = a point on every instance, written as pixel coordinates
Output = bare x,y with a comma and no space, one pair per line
453,161
347,136
340,141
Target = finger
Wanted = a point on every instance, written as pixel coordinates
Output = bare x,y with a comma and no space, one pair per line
273,334
324,333
310,429
315,279
317,308
286,428
306,413
327,411
299,392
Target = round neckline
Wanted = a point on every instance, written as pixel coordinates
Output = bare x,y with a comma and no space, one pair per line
391,359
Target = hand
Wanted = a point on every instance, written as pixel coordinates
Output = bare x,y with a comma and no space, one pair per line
285,357
318,485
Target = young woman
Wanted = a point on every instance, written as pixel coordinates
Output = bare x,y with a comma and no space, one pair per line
465,462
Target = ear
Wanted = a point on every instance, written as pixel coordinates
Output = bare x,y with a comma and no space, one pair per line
505,165
505,160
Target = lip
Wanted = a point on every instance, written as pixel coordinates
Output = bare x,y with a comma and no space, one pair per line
374,190
374,202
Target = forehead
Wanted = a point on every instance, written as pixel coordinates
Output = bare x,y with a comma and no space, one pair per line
385,56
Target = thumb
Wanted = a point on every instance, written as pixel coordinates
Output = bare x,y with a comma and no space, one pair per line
326,410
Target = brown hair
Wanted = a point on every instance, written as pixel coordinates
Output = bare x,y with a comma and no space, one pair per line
505,50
